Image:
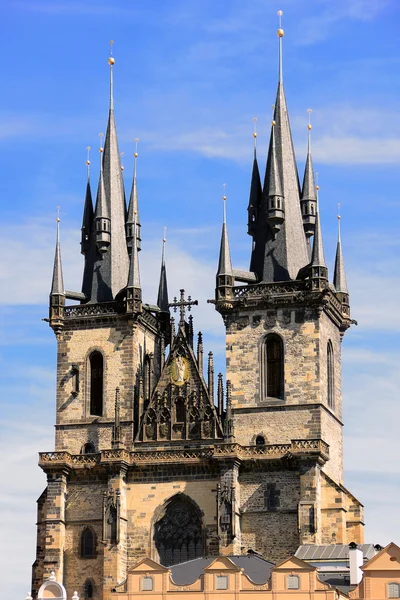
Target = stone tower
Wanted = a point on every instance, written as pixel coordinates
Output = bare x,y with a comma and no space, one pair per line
150,459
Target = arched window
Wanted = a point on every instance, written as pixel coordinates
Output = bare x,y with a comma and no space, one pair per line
272,372
96,383
88,449
89,589
260,440
179,535
330,376
393,590
147,584
88,543
293,582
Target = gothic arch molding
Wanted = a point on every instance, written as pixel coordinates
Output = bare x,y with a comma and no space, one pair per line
178,531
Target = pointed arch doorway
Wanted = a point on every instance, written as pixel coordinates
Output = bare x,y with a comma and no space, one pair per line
179,532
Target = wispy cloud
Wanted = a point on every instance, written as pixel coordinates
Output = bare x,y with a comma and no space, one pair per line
92,8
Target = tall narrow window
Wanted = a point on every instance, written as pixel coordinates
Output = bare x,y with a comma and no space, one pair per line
272,367
96,384
87,543
330,376
89,589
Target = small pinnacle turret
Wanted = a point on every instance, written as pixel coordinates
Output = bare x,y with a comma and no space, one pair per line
102,216
162,298
319,270
339,278
308,194
57,293
133,209
225,279
133,288
255,198
88,214
275,206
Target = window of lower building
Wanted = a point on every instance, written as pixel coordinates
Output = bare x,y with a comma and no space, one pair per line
221,582
147,584
88,543
293,582
394,590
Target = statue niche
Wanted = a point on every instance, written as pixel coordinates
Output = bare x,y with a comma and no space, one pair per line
178,534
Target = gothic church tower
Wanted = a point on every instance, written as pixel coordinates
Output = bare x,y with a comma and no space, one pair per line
151,458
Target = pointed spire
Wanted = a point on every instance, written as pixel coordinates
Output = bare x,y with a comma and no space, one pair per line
115,197
200,352
133,208
253,209
309,195
88,213
210,373
225,264
162,298
134,291
57,294
57,284
102,213
225,280
339,279
281,253
318,268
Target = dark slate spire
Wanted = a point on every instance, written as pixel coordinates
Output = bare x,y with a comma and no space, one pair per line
309,194
339,279
102,215
134,290
285,253
255,198
115,197
319,270
133,209
57,293
225,279
274,193
57,284
88,214
162,298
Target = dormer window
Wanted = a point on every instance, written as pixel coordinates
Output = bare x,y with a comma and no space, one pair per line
293,582
147,584
221,582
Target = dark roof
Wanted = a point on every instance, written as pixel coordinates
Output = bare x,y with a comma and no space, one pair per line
255,567
337,580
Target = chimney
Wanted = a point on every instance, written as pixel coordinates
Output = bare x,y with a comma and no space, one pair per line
356,560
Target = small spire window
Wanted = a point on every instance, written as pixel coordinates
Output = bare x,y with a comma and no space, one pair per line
260,440
330,376
272,367
96,383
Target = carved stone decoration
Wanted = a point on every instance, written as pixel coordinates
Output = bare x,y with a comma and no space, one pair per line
180,371
226,511
111,516
179,534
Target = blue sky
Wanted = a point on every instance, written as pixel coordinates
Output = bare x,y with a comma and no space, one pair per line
189,78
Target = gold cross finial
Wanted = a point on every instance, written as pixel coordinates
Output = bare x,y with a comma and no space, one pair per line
316,182
338,211
136,147
165,235
273,112
224,192
88,160
309,110
101,135
58,214
111,60
121,157
280,30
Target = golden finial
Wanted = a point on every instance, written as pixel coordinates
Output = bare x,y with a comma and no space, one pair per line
224,192
58,215
136,150
88,156
309,126
254,127
165,235
111,60
280,31
316,181
273,123
122,156
338,212
101,135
